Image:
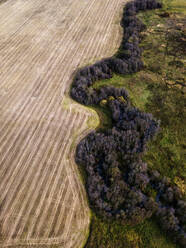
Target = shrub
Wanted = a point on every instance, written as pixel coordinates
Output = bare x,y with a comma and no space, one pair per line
117,176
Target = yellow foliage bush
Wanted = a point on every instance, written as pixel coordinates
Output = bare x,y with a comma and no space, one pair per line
111,98
180,183
121,98
103,102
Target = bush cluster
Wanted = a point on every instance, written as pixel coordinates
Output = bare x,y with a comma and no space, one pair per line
171,210
117,176
128,61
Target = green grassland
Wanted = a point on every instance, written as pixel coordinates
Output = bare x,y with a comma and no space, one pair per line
160,90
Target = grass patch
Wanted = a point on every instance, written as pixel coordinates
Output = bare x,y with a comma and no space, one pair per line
104,117
160,90
112,234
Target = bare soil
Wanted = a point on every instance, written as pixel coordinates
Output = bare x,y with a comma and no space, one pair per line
42,43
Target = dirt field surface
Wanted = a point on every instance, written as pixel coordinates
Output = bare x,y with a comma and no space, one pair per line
42,199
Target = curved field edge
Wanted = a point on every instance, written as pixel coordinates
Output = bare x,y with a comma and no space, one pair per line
52,242
95,120
133,239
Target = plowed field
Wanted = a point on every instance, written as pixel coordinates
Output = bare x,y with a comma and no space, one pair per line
42,43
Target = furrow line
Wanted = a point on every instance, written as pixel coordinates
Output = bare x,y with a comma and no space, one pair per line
66,34
107,26
69,218
58,224
50,228
50,177
56,91
34,182
22,25
14,56
72,189
51,192
29,156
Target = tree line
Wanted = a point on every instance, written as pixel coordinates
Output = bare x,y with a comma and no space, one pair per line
118,178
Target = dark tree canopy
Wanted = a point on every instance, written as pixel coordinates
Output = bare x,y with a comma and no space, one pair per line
117,176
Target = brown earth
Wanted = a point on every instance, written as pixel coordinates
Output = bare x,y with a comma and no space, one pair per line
42,43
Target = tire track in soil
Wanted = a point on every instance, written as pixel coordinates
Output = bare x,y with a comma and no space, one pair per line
31,115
